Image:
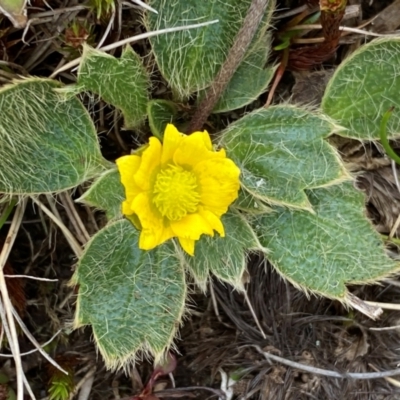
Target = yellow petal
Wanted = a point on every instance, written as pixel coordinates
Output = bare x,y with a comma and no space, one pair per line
126,207
152,224
206,139
195,148
167,234
192,226
150,160
219,182
135,221
172,139
187,245
212,220
127,167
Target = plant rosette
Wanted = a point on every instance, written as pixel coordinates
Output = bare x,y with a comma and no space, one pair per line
182,208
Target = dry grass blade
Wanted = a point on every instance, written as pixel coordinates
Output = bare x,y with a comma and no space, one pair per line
77,249
385,306
8,315
326,372
10,340
88,376
35,342
74,218
246,297
31,277
35,349
145,6
132,39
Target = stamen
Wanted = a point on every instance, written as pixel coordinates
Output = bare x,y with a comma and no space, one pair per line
176,192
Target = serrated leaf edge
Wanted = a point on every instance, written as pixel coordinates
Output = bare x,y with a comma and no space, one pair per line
145,349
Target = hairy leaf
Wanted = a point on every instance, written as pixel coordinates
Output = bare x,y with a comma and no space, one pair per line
251,205
133,299
324,251
364,87
106,193
121,82
225,257
281,151
161,113
48,143
190,59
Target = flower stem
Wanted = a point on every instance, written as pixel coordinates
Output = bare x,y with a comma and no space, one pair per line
235,56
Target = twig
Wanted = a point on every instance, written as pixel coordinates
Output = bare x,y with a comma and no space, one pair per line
13,339
132,39
235,56
76,248
326,372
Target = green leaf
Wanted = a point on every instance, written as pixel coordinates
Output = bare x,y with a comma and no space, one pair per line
248,203
250,80
364,87
106,193
122,82
161,113
189,60
324,251
48,144
133,299
225,257
281,151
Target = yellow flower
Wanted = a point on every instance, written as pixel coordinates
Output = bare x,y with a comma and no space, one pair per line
180,188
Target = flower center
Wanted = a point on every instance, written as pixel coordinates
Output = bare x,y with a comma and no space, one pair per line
175,192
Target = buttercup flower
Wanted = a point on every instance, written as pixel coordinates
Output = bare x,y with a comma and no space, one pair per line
180,188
